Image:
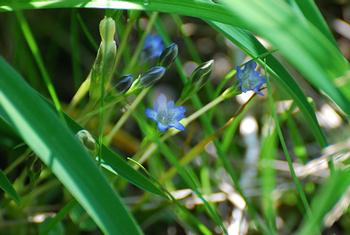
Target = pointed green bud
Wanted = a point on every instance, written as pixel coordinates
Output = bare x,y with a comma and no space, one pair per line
86,139
202,73
169,55
104,65
107,29
198,78
124,83
152,76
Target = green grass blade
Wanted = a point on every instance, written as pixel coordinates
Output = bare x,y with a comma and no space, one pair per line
268,174
6,185
54,143
296,180
126,171
38,59
311,12
326,198
50,224
75,49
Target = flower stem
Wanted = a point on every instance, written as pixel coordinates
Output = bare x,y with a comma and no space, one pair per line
125,116
139,47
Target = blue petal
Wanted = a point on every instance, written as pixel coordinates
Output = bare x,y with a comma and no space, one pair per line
244,89
153,46
170,104
239,73
249,78
162,127
251,65
148,41
178,126
160,103
179,112
150,113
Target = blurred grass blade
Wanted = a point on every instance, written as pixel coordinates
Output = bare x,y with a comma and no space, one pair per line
50,139
311,12
6,185
27,33
250,45
267,171
52,222
287,156
326,198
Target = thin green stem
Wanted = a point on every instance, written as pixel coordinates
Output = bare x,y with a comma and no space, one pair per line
16,162
139,47
188,42
125,116
87,33
74,40
38,59
124,40
286,152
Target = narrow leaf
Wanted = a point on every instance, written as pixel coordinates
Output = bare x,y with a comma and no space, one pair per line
6,185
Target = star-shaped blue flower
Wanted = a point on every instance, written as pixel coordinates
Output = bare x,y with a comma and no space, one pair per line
153,46
166,114
249,79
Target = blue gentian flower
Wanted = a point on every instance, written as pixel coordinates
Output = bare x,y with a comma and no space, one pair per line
249,79
153,46
166,114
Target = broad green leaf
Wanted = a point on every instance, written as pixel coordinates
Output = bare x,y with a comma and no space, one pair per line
54,143
6,185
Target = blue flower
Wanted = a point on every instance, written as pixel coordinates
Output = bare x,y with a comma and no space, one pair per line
166,114
249,79
153,46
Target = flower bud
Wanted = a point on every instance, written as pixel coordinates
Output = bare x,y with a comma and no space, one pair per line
152,76
124,83
168,55
196,82
202,72
86,139
105,62
107,29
